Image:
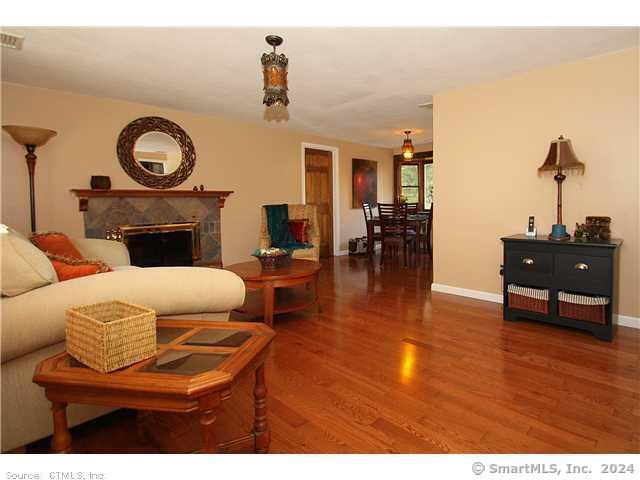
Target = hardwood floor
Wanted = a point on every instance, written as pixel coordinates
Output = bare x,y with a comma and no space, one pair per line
383,365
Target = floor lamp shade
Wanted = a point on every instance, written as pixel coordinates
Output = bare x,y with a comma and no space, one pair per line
30,137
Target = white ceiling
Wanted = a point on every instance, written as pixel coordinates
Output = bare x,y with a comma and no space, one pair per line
358,84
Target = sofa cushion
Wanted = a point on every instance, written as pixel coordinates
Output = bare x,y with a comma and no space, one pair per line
37,319
24,266
122,268
113,253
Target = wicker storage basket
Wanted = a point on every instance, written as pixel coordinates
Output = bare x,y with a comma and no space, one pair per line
110,335
528,298
583,307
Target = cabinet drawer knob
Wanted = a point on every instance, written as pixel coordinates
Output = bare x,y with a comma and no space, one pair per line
581,266
528,261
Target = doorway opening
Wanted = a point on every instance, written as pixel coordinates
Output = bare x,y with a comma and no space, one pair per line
320,188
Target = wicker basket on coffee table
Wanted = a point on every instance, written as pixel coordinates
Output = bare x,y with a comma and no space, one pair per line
111,335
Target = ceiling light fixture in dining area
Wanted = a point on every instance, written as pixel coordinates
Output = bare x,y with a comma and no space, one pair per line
407,146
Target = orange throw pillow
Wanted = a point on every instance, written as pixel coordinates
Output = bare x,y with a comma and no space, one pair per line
67,261
57,244
68,268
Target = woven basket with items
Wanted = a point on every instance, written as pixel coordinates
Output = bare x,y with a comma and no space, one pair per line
272,258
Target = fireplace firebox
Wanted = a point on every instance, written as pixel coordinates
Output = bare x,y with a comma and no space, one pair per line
162,245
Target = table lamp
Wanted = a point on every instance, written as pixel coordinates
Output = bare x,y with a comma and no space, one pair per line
559,158
30,137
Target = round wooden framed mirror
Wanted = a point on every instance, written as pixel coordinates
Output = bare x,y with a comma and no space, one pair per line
156,152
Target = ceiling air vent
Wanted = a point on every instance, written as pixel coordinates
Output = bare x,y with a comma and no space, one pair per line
9,40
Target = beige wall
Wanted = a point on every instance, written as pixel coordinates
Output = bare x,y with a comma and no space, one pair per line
261,164
491,138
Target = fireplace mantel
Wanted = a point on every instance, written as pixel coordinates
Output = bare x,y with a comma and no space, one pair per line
85,194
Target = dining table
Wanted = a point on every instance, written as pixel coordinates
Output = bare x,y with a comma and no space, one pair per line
417,220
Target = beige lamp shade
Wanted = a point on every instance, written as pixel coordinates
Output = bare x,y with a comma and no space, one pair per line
561,157
29,135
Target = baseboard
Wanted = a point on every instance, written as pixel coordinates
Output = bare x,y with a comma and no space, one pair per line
627,321
466,292
624,320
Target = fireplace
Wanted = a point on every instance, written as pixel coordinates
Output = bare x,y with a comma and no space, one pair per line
106,210
161,245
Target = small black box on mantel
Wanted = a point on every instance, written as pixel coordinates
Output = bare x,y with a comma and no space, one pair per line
100,182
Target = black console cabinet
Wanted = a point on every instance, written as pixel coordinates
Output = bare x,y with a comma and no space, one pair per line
560,265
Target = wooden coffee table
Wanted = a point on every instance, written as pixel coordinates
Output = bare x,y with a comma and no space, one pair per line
197,365
296,273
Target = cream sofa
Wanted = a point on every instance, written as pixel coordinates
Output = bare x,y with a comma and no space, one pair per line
297,212
33,324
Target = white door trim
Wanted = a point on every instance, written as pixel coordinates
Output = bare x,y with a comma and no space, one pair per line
335,167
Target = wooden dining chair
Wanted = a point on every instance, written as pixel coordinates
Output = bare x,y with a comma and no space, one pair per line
412,208
394,230
373,233
429,231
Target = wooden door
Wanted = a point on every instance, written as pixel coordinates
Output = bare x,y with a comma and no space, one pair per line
319,192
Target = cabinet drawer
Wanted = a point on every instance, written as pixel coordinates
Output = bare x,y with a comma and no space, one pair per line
523,266
583,273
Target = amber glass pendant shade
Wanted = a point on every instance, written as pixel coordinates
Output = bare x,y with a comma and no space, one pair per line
274,70
407,147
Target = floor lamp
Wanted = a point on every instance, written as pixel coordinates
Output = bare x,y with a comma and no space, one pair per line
30,137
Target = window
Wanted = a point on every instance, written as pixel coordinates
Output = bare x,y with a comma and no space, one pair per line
428,185
414,179
410,183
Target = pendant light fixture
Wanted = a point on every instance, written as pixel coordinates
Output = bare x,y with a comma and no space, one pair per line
274,69
407,146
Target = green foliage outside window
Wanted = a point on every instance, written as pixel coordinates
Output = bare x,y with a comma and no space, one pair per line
409,175
411,194
428,185
410,183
